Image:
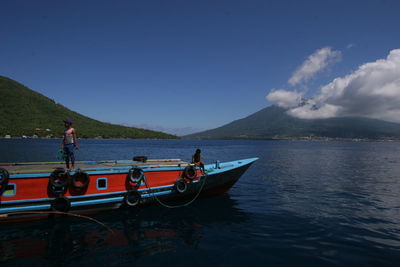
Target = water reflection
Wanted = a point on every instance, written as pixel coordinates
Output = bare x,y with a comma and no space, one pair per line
136,234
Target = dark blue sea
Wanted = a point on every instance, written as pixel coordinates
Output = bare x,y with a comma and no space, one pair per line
300,204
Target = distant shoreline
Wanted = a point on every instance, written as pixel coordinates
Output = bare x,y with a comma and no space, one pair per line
94,138
304,139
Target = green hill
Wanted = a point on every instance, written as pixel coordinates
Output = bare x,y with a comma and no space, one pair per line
274,123
25,112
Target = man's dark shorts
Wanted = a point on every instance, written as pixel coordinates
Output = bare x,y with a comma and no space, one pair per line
69,151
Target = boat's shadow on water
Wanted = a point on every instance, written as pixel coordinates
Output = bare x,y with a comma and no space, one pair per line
121,236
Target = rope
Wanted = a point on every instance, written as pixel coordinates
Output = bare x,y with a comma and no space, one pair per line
59,213
177,206
61,154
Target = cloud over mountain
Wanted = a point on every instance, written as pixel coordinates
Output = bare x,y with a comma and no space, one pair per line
284,98
316,62
373,91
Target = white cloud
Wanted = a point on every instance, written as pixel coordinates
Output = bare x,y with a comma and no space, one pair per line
309,111
316,62
373,91
284,98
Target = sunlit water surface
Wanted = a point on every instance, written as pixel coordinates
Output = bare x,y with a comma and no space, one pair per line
300,204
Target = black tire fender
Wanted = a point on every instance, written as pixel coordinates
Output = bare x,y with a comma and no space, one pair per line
81,176
190,172
132,198
59,178
136,175
61,204
4,177
181,185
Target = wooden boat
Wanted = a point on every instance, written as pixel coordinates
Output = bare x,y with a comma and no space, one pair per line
34,190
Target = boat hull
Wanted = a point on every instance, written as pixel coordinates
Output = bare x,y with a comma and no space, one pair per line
159,185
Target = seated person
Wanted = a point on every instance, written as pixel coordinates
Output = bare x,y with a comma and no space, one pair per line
198,160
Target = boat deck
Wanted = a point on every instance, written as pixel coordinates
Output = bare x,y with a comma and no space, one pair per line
37,167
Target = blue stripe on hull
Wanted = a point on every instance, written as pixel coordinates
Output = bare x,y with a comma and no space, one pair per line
25,208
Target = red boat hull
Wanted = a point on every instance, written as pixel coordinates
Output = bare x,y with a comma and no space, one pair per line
113,188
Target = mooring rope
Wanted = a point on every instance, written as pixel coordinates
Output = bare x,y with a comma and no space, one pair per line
177,206
61,154
59,213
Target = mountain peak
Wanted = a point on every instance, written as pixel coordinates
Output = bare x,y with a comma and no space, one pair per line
273,122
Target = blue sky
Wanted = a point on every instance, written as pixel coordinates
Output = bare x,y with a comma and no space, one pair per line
182,66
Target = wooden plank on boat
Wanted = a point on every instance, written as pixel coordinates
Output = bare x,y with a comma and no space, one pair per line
46,167
167,160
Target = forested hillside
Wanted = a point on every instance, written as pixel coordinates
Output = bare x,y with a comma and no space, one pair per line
26,112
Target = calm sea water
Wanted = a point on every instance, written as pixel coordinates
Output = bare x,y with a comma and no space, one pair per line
301,204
